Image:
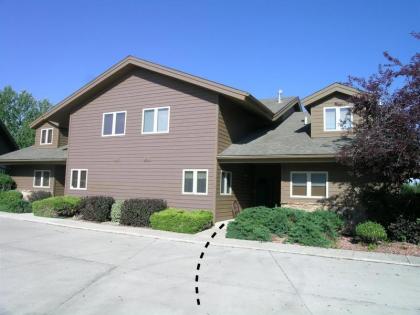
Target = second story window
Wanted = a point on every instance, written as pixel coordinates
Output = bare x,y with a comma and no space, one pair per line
155,120
337,118
46,136
113,124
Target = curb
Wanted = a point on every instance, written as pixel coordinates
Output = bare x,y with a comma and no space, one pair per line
191,241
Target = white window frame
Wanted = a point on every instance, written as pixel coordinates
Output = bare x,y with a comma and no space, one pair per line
114,123
309,184
46,136
155,120
229,192
79,170
42,179
338,126
195,171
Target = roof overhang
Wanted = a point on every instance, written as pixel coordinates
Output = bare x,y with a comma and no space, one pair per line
301,158
34,162
130,63
332,88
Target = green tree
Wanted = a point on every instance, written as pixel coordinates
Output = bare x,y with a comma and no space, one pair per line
18,110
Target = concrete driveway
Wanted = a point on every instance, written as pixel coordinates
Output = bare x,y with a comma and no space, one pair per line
48,269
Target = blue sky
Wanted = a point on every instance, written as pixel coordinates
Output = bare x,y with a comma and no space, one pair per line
52,48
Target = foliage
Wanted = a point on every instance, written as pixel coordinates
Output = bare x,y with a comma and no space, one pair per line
182,221
11,201
405,230
371,232
6,182
39,195
18,111
318,228
116,211
137,212
61,206
96,208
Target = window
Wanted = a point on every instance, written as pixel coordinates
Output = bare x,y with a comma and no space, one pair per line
194,182
155,120
78,179
41,178
113,124
337,118
226,183
46,136
309,184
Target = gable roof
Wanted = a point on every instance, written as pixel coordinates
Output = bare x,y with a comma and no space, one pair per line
131,62
278,109
35,154
332,88
290,139
8,136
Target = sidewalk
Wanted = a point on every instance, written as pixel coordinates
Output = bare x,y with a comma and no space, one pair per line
220,240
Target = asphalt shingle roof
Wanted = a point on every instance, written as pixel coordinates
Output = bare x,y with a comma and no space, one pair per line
289,138
35,154
274,106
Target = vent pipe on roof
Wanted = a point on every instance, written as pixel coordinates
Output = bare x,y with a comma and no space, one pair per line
279,97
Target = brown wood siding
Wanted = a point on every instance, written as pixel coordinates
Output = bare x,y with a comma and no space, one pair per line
23,175
55,140
337,179
317,114
146,166
63,137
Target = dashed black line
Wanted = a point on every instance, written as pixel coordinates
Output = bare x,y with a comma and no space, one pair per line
201,257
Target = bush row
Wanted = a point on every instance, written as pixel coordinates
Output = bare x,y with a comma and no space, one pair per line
6,182
12,201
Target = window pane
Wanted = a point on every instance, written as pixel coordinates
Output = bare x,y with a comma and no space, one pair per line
37,179
148,120
319,191
163,119
188,181
345,118
299,190
222,184
202,182
108,119
49,140
74,179
318,179
83,175
229,183
43,135
120,123
46,182
299,179
330,123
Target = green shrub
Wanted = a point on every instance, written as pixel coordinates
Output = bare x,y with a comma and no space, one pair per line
405,230
116,211
6,182
307,232
371,232
11,201
61,206
96,208
275,220
245,230
137,212
178,220
39,195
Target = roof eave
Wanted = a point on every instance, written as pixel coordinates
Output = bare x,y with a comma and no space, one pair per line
334,87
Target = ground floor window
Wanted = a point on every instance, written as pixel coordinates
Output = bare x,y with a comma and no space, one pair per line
309,184
42,178
226,183
78,179
194,182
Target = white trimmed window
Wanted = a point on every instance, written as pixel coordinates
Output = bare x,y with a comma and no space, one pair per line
226,183
42,178
155,120
338,118
194,182
78,179
309,184
113,124
46,136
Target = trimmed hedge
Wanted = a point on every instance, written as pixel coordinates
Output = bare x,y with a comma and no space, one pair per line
116,211
96,208
61,206
182,221
11,201
6,182
39,195
371,232
137,212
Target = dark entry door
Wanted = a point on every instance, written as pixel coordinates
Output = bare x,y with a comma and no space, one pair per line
267,192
